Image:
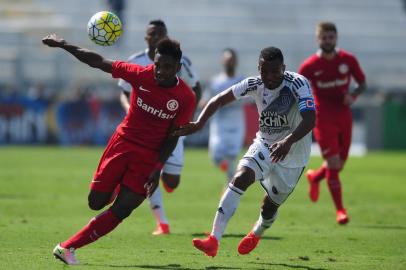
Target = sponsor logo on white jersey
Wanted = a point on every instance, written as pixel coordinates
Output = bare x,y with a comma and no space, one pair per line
272,122
152,110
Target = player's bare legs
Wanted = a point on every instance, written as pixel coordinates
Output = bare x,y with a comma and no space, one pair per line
243,178
100,225
334,165
170,183
266,218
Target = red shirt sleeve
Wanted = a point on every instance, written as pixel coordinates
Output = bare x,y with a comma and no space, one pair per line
356,70
126,71
188,107
305,70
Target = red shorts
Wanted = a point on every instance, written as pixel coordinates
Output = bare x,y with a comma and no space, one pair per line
333,133
125,163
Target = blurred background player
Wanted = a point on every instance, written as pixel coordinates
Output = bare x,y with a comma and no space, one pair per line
136,152
330,71
227,126
279,153
156,30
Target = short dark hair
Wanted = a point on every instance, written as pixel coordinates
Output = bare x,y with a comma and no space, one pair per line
326,27
157,23
271,53
231,51
170,47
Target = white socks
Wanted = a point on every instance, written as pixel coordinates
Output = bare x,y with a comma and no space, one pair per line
228,204
263,224
156,204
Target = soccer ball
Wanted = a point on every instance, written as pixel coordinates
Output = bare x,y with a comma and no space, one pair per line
104,28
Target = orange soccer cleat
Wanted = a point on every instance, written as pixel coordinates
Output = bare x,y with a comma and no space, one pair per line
167,188
208,245
248,243
223,165
161,229
342,217
314,186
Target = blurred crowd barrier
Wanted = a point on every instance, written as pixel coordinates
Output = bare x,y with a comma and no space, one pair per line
88,115
46,119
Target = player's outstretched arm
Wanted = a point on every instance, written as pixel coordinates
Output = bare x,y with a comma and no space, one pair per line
84,55
280,149
212,106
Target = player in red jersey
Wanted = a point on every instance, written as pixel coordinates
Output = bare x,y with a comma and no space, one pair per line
330,71
136,152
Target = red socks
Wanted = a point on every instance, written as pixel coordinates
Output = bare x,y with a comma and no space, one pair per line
334,185
96,228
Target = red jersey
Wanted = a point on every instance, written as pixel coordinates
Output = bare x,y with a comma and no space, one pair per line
153,109
330,79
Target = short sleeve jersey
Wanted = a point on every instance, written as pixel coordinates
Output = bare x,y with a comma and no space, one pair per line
330,79
153,109
186,73
279,112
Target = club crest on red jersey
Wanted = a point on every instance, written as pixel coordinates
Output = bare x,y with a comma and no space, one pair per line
343,68
172,105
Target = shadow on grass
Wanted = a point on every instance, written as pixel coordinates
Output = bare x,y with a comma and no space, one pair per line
163,267
238,236
293,266
384,227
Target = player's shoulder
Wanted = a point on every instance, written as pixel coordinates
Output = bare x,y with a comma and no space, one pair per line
136,56
346,55
311,59
249,84
185,90
291,76
296,82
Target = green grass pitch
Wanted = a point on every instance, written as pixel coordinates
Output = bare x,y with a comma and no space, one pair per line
43,200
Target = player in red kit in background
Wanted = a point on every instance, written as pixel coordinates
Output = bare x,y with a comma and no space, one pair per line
136,152
330,71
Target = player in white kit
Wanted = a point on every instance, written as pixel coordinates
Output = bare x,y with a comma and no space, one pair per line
279,153
227,126
170,175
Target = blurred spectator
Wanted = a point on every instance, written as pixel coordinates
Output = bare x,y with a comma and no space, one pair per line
117,7
75,120
227,126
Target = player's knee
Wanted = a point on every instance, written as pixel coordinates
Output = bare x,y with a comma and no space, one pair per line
171,180
334,162
96,202
243,178
122,211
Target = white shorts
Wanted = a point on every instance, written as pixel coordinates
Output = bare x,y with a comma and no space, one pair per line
278,181
174,164
228,145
